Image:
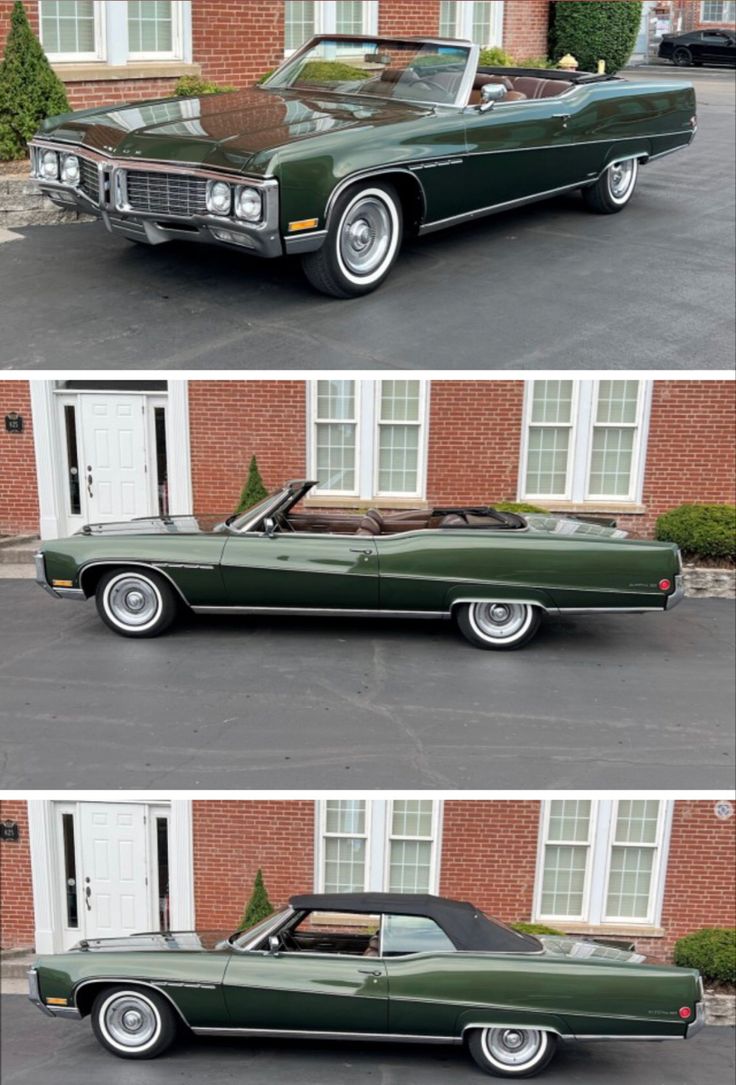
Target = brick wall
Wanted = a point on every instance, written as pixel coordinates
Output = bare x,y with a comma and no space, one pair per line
525,28
489,852
17,923
233,839
230,421
409,17
235,42
18,487
475,437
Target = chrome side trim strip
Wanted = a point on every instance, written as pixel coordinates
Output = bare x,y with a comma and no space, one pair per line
125,980
306,242
577,143
609,610
299,1034
333,612
367,174
482,212
502,1009
122,563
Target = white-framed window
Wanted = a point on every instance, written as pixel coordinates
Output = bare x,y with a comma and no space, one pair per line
305,18
368,438
72,30
154,29
480,21
722,12
584,440
378,845
602,862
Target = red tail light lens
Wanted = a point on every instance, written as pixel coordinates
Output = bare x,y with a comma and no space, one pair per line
665,585
686,1013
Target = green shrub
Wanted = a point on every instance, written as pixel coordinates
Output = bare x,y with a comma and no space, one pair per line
518,506
536,928
30,90
534,62
707,531
593,31
254,490
331,71
712,951
495,57
258,907
191,86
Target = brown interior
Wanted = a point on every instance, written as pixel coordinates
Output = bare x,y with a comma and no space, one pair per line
375,523
520,87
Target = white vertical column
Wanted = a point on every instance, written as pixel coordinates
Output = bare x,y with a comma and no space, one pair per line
181,865
178,449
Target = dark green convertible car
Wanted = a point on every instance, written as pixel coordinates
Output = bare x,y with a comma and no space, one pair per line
370,966
353,142
496,573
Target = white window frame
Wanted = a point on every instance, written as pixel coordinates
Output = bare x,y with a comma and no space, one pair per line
583,424
378,837
325,19
177,37
728,13
601,841
367,442
100,50
465,18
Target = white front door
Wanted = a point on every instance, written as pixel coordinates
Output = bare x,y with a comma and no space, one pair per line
114,479
113,889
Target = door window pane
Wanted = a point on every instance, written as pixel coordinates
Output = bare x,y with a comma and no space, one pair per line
300,17
413,934
162,463
68,26
72,459
70,872
162,854
150,27
336,431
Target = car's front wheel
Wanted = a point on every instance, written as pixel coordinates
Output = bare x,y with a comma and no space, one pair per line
498,626
361,245
614,188
133,1024
135,602
512,1052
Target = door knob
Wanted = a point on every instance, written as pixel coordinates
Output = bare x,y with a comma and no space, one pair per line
87,895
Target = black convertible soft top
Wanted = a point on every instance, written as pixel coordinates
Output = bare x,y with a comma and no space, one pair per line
464,925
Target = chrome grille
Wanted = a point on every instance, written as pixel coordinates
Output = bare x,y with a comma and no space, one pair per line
166,193
89,179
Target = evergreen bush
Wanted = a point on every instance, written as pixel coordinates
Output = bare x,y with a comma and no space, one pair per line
258,907
701,531
518,506
712,951
595,30
30,90
191,86
254,490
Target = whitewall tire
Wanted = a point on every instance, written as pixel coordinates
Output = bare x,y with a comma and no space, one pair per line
498,626
135,602
613,190
133,1024
512,1052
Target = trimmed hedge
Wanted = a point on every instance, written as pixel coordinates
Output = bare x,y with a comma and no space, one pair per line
496,57
191,86
30,90
536,928
707,531
518,506
595,30
712,951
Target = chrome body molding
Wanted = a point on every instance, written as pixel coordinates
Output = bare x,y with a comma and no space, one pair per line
181,565
193,986
678,594
333,612
484,212
42,580
306,242
125,564
699,1023
370,175
307,1034
126,981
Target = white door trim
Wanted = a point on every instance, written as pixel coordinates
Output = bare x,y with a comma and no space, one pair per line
50,457
48,920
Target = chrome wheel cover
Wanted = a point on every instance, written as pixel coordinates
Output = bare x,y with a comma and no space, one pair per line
365,236
513,1047
130,1021
500,621
132,601
621,177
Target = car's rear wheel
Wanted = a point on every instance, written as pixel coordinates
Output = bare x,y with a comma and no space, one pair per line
498,626
682,57
133,1024
362,244
135,602
512,1052
614,188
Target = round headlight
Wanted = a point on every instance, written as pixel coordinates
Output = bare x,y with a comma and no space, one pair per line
249,204
50,165
219,198
70,169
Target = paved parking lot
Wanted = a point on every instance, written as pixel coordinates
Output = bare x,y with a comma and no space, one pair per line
36,1049
549,286
612,701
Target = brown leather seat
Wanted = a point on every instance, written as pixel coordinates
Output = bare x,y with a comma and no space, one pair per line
454,520
535,87
503,80
374,945
368,526
378,518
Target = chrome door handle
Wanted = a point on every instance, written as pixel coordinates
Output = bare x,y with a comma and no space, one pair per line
564,117
370,972
357,550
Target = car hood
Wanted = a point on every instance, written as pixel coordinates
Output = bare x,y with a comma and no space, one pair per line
156,941
237,131
159,525
559,946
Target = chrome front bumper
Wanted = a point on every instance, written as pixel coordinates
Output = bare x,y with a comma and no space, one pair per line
34,996
42,580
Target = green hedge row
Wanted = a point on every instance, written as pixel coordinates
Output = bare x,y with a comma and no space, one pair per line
712,951
707,531
594,30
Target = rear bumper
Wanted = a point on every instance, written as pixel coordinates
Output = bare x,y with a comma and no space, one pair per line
698,1024
677,595
34,996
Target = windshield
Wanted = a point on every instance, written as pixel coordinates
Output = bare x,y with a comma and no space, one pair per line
243,938
252,517
378,68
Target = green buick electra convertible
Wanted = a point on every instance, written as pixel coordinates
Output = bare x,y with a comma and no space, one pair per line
371,966
354,142
496,573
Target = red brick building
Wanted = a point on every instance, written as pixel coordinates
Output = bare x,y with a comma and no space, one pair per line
616,449
108,52
639,872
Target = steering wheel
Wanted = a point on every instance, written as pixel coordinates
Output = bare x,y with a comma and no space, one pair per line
288,941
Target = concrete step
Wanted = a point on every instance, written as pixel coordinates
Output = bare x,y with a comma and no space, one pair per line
18,550
14,968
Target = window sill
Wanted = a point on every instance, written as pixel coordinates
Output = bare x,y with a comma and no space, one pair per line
608,930
365,503
620,508
100,72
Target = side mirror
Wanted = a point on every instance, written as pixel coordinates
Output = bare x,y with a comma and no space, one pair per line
274,945
490,94
269,526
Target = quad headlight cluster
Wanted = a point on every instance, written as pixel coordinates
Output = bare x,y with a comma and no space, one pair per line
59,166
240,200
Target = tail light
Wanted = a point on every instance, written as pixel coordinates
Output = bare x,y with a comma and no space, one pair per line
685,1013
665,585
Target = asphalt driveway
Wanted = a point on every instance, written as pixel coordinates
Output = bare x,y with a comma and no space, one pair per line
36,1049
549,286
606,702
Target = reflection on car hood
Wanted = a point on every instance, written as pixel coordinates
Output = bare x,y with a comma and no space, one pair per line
564,525
159,525
229,130
155,941
559,946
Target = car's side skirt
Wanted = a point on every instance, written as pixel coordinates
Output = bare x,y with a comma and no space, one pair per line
332,612
300,1034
